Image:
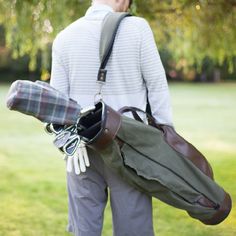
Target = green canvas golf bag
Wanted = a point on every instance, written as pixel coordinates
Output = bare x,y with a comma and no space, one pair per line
153,158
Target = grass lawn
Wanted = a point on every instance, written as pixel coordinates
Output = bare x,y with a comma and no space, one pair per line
33,199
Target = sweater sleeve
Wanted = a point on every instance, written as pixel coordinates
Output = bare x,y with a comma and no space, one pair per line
154,76
59,76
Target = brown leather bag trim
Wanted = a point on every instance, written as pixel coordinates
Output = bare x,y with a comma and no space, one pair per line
203,201
110,127
221,213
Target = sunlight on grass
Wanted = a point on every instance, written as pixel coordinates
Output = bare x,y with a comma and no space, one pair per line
33,198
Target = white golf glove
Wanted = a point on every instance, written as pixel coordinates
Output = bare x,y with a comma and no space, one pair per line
78,161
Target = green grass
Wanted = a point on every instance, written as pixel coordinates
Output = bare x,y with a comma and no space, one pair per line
33,198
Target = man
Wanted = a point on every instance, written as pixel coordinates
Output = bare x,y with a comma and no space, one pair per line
134,70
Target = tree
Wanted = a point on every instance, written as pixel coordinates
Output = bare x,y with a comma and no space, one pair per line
189,30
194,30
31,25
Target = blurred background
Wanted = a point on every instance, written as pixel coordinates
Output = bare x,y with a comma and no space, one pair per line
196,41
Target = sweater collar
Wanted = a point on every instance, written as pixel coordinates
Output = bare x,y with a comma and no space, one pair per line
98,10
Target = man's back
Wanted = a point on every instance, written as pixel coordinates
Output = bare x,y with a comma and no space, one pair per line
130,67
133,69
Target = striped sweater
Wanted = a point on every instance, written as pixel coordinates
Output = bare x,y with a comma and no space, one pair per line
135,70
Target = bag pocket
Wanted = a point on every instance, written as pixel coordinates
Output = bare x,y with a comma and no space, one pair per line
162,175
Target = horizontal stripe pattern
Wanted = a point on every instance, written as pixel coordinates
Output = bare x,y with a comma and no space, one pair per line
133,68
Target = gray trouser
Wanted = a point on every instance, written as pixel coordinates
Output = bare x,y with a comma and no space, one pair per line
88,193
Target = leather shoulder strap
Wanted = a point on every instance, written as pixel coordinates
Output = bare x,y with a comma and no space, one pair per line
109,29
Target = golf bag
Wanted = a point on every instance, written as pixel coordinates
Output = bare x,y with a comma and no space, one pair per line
156,160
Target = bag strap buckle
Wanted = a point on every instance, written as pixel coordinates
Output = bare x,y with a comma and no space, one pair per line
102,73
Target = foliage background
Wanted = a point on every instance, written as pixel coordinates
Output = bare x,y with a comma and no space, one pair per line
196,38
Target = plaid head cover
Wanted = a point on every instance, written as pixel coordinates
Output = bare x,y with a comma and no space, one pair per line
40,100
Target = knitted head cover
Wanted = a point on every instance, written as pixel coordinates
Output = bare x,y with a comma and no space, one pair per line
40,100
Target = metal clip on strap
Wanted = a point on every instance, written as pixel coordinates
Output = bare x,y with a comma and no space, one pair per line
102,73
